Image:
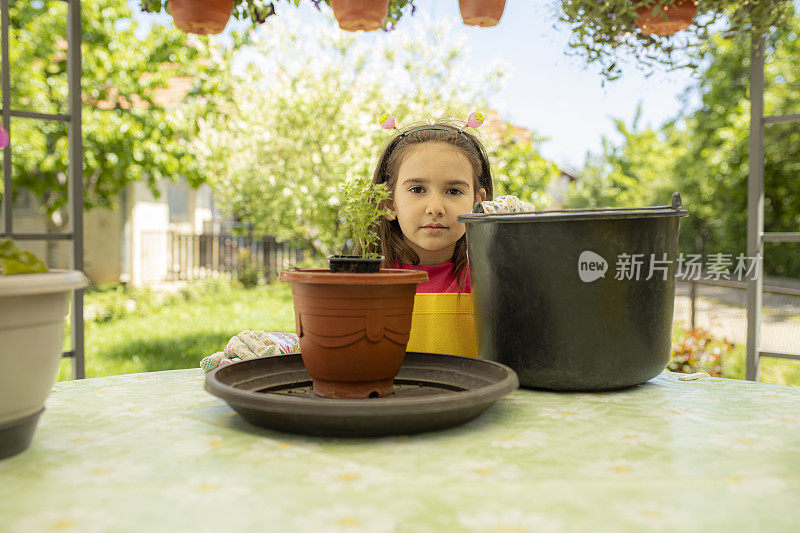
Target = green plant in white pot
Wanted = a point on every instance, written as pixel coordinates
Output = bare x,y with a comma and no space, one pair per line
33,304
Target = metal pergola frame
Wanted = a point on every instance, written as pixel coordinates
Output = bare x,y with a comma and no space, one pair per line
756,237
75,169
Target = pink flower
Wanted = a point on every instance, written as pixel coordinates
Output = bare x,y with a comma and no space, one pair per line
5,138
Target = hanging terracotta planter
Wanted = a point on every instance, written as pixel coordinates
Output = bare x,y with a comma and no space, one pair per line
364,15
481,12
667,21
353,328
201,16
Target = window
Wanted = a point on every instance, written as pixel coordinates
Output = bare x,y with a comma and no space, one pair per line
178,198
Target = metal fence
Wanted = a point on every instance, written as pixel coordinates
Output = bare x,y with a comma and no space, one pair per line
171,256
721,307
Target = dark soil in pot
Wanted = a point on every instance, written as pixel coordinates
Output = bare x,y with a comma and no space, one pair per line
354,264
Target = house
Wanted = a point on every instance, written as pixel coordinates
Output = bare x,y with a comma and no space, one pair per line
150,239
129,243
144,226
559,188
496,129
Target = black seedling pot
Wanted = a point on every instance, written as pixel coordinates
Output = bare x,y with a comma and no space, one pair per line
551,304
354,264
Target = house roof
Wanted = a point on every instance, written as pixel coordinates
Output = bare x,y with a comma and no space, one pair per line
570,174
497,129
177,88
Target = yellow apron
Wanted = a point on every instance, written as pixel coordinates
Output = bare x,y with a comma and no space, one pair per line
443,323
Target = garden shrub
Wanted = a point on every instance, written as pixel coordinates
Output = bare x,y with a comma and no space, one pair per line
111,302
247,269
697,350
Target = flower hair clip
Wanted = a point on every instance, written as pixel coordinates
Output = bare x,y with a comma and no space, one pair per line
387,122
474,120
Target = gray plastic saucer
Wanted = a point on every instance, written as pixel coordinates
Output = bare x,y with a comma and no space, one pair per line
431,392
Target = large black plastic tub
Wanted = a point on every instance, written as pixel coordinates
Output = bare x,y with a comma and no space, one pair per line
536,314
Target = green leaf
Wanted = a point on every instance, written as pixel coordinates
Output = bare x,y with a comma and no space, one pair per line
13,260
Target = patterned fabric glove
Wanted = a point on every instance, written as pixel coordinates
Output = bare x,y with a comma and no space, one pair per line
251,344
505,204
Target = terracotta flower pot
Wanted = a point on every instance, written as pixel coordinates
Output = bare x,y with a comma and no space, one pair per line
481,12
353,328
365,15
201,16
679,16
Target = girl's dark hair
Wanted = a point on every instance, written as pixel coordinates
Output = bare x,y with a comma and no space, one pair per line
392,246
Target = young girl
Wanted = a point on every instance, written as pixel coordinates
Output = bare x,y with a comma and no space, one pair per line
435,172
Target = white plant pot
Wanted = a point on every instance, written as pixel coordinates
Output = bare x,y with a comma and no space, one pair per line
32,311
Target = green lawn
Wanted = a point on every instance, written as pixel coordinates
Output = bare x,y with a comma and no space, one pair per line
734,359
780,371
143,331
180,331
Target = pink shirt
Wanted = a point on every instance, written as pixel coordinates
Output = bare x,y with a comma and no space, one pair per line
441,278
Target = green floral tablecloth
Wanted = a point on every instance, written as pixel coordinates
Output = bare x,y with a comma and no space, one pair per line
155,452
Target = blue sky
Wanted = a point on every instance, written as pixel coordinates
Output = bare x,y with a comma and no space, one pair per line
557,95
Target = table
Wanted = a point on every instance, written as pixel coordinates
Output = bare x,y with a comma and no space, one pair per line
155,452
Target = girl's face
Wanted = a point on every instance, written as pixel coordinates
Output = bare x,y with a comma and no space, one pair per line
434,186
